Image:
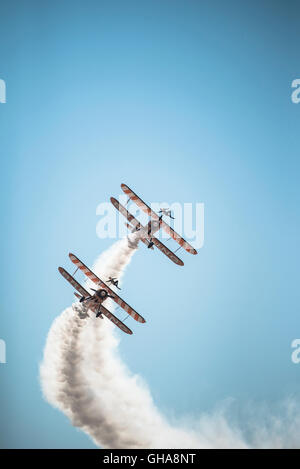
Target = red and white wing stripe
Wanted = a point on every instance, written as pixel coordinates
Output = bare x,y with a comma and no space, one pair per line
167,251
80,265
112,318
99,282
140,203
73,282
182,242
125,212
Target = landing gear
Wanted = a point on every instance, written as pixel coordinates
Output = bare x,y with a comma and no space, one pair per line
151,244
83,298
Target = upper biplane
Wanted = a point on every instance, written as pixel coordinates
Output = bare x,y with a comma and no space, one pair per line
146,233
94,301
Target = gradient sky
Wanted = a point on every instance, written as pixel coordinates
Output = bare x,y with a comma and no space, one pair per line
184,101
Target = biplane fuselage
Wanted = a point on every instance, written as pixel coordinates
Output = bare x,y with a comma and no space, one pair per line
150,229
145,233
98,297
147,230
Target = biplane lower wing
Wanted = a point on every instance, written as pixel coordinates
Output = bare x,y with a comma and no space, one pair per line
112,318
140,203
166,251
73,282
99,282
125,212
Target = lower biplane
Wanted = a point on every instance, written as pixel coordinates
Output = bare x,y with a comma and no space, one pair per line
156,222
94,301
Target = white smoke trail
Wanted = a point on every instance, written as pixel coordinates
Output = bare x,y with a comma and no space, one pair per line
83,375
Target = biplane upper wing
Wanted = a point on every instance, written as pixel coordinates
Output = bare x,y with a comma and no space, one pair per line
140,203
73,282
125,212
166,251
99,282
179,239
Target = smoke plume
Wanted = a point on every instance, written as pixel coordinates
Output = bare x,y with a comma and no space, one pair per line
83,375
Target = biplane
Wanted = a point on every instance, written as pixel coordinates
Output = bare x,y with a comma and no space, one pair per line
156,222
94,301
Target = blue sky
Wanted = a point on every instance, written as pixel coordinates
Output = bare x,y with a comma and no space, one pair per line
183,101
